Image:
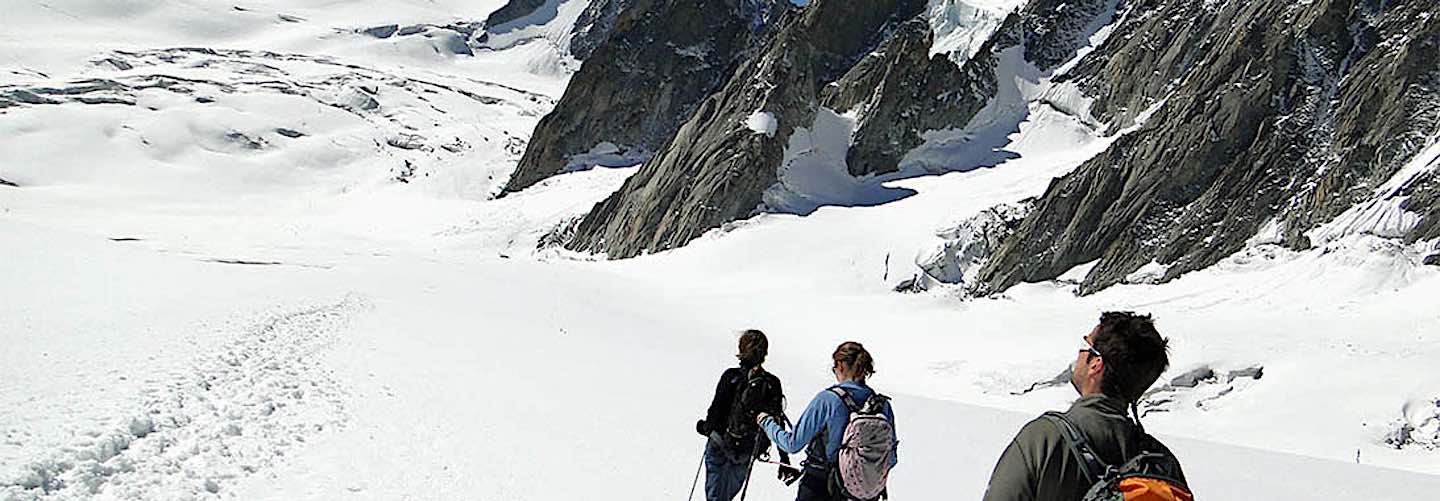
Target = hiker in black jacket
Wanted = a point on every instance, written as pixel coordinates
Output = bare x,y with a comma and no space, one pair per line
733,438
1120,358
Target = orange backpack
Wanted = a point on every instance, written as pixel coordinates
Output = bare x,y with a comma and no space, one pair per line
1152,475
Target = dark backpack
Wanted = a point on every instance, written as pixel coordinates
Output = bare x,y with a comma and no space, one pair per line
758,391
1153,474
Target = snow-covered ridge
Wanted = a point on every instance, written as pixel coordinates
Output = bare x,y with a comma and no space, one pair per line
959,27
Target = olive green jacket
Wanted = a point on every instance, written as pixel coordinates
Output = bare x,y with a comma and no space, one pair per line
1038,464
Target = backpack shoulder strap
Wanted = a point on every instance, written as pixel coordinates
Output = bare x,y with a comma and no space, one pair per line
1090,463
845,398
876,404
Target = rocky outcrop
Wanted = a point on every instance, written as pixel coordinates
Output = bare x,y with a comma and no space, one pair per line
716,168
594,26
867,60
636,88
1272,112
899,92
1239,115
512,10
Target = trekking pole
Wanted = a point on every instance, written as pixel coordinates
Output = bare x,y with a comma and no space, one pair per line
748,467
697,474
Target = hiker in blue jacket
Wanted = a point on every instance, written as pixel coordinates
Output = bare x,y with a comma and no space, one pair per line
821,427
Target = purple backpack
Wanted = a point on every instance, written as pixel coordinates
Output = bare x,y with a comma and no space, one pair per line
863,463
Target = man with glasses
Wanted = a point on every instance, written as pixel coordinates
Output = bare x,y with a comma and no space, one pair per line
1120,358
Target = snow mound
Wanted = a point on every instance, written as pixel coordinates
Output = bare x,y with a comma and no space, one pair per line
762,122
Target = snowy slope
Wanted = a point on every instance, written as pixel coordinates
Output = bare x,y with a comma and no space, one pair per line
197,304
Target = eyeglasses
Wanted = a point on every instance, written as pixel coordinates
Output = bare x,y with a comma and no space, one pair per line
1091,350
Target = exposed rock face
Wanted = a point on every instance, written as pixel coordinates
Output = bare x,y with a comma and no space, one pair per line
1271,110
899,92
636,88
512,10
1245,114
868,58
594,26
716,169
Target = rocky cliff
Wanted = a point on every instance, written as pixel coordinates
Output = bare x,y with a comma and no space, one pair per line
1271,113
1251,119
640,82
861,69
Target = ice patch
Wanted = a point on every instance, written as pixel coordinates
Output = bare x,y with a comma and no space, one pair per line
763,122
956,259
814,173
1077,274
960,27
1270,233
1152,273
607,154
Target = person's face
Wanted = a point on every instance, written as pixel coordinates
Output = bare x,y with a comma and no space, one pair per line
1089,365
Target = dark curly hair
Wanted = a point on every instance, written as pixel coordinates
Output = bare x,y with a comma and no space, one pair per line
1134,354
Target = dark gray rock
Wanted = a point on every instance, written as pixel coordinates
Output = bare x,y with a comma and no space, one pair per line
1193,378
381,31
594,26
245,141
1423,197
1256,372
290,133
512,10
4,182
1061,379
114,63
1432,260
26,97
1293,118
903,92
716,169
639,85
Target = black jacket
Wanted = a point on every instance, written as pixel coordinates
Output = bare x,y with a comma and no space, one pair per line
717,417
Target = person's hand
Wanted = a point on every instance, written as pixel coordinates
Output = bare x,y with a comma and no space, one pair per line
788,474
702,428
760,418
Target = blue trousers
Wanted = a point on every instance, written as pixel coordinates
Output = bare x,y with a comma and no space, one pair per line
724,470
